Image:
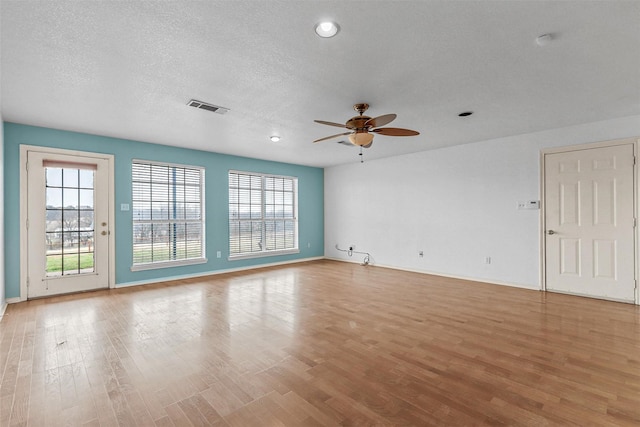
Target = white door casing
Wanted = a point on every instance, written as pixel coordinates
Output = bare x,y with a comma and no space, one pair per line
589,222
54,232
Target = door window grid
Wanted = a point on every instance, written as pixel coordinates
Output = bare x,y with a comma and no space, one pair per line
262,214
168,215
69,216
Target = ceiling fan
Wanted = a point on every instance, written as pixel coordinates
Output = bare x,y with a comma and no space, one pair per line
361,128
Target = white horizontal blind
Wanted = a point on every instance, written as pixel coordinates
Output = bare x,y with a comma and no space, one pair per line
168,215
262,213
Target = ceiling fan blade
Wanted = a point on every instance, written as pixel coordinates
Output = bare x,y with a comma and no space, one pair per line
395,132
380,120
322,122
333,136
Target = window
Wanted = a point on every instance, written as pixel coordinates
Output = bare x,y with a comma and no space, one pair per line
262,214
168,215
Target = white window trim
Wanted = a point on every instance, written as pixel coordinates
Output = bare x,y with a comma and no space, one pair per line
275,252
165,264
181,262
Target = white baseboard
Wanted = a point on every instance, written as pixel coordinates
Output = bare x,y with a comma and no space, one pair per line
451,276
15,300
3,307
213,273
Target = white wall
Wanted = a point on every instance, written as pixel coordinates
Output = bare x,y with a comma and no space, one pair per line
458,205
3,303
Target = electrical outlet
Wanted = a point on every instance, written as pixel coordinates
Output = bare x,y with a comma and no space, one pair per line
352,247
219,254
421,254
487,260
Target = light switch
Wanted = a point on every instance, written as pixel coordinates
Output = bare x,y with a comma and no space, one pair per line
124,206
529,205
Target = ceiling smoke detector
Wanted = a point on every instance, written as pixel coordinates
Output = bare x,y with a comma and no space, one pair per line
544,39
206,106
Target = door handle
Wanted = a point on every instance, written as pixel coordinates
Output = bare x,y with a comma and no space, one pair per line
104,233
551,232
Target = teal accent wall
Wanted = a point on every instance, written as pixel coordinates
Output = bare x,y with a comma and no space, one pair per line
310,200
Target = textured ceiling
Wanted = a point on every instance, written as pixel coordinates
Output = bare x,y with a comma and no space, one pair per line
127,69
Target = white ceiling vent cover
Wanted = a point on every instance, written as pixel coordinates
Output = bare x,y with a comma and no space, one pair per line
207,106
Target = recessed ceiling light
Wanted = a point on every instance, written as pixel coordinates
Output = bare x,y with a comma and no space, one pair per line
274,138
465,114
327,29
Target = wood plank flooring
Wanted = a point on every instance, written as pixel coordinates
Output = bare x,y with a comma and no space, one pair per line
320,344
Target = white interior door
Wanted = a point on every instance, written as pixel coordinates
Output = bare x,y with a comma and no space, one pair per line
589,220
67,223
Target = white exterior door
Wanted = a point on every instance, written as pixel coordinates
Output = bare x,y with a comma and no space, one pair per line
589,221
67,223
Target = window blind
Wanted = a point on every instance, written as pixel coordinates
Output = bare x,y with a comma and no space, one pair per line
168,213
262,213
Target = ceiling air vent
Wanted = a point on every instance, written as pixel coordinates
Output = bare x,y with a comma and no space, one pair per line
208,107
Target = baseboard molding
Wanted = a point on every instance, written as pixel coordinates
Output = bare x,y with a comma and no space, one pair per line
3,307
15,300
451,276
213,273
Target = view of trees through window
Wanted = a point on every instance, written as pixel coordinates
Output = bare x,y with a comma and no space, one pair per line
167,213
69,229
262,213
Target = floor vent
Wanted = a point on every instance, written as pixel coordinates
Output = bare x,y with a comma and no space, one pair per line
208,107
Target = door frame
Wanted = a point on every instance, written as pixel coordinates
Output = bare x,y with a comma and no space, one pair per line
635,142
24,250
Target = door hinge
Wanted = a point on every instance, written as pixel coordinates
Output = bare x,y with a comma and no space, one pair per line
28,282
27,223
27,166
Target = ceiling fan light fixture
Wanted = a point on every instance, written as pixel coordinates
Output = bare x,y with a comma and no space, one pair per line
361,138
327,29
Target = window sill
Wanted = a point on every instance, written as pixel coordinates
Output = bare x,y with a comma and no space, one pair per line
263,254
167,264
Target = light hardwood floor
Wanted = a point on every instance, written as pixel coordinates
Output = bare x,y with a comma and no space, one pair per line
320,343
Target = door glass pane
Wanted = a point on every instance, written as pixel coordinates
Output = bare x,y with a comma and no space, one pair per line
54,177
86,178
86,199
70,177
69,232
70,197
54,197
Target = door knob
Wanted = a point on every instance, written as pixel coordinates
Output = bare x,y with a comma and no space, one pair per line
104,233
551,232
104,223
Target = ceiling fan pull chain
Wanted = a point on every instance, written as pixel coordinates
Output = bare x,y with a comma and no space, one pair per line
361,157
